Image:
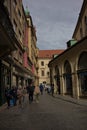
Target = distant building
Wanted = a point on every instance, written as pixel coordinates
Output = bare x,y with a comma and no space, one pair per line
43,59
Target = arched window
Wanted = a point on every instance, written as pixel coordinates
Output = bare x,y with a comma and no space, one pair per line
82,73
67,67
82,63
56,70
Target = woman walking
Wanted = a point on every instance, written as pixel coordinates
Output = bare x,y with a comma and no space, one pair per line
37,93
20,96
30,89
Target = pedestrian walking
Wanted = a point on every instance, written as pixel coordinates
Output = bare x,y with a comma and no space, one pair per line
52,89
24,94
37,93
41,88
20,96
55,89
30,89
14,94
8,96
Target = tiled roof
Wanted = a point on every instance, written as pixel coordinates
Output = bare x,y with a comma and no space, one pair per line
49,53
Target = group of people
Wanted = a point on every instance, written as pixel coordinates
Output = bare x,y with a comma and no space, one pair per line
17,94
13,94
34,91
50,89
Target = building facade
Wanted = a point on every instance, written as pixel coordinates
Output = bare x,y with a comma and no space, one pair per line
33,50
69,69
81,26
15,63
43,59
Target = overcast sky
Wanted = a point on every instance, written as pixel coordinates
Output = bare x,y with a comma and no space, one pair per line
55,21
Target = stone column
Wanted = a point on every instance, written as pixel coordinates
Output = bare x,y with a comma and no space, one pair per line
75,85
62,82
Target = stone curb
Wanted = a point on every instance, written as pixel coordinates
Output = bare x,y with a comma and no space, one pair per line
72,100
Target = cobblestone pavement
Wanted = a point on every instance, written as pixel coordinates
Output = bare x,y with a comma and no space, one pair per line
49,114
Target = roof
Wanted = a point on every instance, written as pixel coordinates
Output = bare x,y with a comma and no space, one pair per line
49,53
77,44
27,11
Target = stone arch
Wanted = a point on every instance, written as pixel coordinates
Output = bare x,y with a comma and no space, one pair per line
68,77
56,69
67,67
82,73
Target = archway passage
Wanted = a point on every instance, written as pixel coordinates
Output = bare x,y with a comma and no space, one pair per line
68,78
82,73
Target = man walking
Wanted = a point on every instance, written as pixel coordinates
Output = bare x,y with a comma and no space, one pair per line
30,89
41,88
52,89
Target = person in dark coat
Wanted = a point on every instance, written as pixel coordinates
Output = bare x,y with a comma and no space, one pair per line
52,89
14,94
41,88
8,95
30,89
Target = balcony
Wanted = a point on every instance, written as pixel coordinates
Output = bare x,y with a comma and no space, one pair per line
7,34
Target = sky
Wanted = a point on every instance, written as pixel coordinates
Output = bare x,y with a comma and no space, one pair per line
55,21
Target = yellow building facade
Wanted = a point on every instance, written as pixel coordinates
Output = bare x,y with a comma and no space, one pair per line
44,57
32,46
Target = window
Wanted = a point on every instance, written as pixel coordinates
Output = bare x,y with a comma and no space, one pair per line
20,36
42,73
15,54
86,20
19,13
14,25
42,63
20,57
48,74
14,3
19,33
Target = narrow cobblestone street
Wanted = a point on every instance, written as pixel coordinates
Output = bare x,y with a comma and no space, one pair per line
49,114
43,47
